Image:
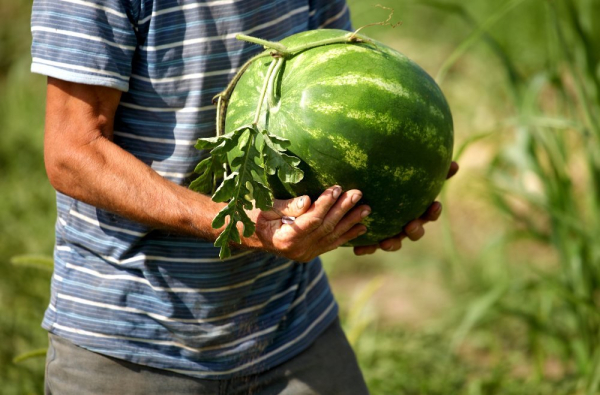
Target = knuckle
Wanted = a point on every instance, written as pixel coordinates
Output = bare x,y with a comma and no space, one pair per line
261,226
315,222
339,242
330,242
328,228
290,207
324,204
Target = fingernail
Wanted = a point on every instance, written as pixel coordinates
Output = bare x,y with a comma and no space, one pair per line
356,197
386,247
336,192
364,213
362,232
288,220
300,202
411,229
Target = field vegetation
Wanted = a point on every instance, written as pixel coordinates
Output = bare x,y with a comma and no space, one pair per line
502,294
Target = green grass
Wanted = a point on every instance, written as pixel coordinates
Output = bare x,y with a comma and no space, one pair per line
27,211
545,177
408,363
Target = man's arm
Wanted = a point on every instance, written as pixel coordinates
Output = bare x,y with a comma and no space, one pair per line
83,162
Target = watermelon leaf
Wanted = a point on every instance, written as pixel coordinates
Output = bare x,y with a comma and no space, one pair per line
211,169
212,142
279,142
263,198
203,183
226,189
249,155
276,160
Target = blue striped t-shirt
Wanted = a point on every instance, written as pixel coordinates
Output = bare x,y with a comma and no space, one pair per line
146,295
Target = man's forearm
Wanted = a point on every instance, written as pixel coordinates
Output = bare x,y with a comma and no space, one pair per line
84,163
107,177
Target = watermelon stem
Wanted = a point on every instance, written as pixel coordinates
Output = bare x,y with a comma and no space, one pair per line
222,99
282,50
263,92
348,38
266,44
271,85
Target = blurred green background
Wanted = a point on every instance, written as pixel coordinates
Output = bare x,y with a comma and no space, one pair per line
502,296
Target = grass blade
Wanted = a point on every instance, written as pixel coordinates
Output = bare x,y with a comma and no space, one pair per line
35,261
40,352
473,37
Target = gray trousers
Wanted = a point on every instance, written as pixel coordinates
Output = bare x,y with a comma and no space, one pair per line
327,367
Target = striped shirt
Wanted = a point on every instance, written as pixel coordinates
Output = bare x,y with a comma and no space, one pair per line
145,295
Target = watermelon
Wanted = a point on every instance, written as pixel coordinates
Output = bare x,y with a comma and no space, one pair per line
359,115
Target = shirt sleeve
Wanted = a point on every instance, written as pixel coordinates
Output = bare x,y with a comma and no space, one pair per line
85,41
329,14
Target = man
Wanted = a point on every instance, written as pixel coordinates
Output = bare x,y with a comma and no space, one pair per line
140,301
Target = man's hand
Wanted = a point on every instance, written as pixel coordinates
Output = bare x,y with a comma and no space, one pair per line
413,230
323,226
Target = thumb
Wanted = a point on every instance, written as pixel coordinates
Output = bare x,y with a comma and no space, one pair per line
289,208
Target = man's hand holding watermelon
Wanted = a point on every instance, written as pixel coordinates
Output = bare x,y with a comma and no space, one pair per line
331,221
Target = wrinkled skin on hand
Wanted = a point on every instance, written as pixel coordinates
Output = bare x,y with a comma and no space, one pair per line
329,222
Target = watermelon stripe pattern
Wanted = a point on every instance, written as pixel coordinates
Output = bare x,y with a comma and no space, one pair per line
360,115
